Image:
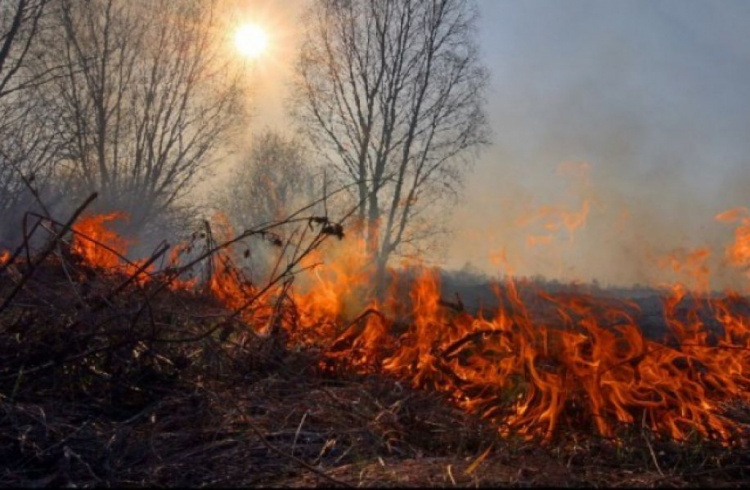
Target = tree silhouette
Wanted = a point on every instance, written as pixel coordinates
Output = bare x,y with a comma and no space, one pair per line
392,93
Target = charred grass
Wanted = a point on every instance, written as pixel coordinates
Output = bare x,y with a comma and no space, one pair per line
151,386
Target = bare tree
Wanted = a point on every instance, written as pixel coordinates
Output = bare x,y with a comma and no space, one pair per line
392,90
26,148
276,179
27,154
19,23
147,99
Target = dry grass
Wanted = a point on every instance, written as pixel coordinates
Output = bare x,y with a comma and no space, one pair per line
99,389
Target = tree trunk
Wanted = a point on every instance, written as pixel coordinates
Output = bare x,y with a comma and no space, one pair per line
380,278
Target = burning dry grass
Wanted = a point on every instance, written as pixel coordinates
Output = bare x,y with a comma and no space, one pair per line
587,366
121,376
103,398
135,393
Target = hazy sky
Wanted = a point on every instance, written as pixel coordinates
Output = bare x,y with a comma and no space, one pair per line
631,116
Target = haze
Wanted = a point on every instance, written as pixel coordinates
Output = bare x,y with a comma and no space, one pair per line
636,112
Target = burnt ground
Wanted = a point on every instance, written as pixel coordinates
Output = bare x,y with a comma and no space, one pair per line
104,385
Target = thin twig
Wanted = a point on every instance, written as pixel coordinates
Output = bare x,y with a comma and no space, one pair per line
47,250
296,434
284,454
138,272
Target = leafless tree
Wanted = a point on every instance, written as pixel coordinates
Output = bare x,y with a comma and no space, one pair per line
275,179
19,23
148,97
27,154
392,90
26,148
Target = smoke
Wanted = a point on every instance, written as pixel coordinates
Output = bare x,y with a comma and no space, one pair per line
634,112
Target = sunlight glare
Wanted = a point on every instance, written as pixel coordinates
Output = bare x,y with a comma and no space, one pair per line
251,40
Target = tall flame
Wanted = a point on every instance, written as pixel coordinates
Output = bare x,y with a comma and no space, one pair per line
565,360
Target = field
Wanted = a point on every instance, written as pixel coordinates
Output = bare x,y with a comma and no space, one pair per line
104,385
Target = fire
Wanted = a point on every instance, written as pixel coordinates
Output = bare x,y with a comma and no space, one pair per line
335,289
690,266
734,214
553,218
93,239
578,360
225,280
738,252
593,359
101,247
534,240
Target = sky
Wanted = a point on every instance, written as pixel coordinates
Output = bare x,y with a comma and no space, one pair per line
619,130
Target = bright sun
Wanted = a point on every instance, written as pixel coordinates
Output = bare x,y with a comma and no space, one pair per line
251,40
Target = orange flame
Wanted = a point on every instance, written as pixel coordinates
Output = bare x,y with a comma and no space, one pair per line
101,247
690,264
92,239
554,218
528,367
593,360
738,252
